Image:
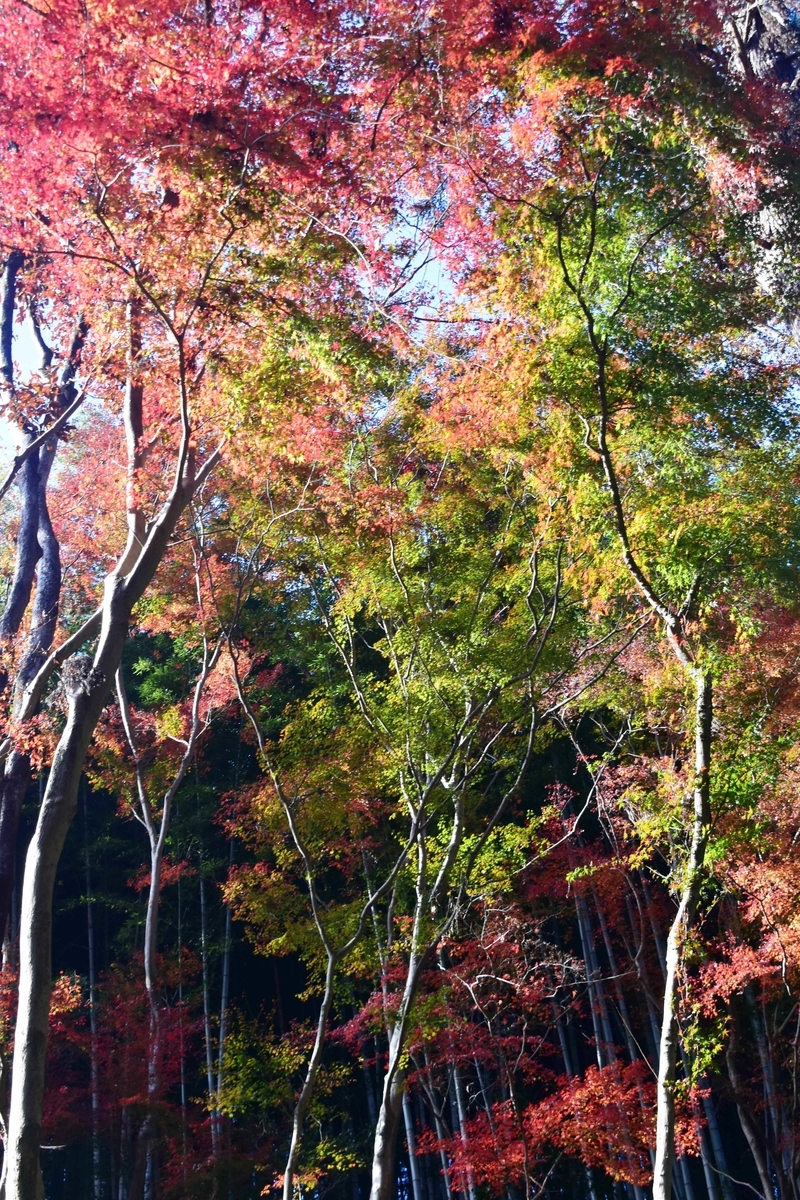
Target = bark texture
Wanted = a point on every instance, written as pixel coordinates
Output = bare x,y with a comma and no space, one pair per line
87,684
670,1031
37,555
390,1115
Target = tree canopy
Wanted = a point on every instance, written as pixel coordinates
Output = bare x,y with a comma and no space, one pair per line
399,633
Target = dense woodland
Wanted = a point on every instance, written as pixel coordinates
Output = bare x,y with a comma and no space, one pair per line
399,600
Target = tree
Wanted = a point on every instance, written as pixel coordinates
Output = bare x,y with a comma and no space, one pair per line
145,205
437,576
628,372
553,538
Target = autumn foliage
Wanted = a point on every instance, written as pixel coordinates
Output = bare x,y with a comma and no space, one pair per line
399,639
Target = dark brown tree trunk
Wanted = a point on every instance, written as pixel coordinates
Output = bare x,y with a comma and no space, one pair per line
749,1128
36,544
94,1077
28,552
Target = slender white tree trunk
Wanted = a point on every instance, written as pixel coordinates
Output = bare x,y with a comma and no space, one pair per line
670,1032
390,1107
390,1110
309,1083
411,1143
23,1174
157,826
461,1107
86,687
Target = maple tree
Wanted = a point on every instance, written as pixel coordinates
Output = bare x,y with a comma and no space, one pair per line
100,221
417,464
436,729
594,266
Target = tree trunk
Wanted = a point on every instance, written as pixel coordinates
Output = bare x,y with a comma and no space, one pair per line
207,1021
624,1015
126,1122
622,1006
36,544
461,1108
23,1175
440,1130
16,770
151,920
144,1183
602,1035
390,1112
28,551
28,476
781,1155
182,1040
748,1127
427,1177
8,286
390,1109
86,686
138,1180
93,1071
309,1083
15,780
144,1174
369,1086
413,1161
670,1033
226,985
716,1144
